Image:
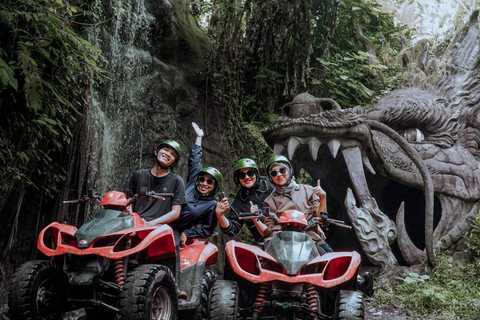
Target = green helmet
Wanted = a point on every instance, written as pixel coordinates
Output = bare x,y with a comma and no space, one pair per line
173,145
217,175
278,159
244,163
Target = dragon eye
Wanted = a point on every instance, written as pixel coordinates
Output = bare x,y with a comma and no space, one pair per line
413,135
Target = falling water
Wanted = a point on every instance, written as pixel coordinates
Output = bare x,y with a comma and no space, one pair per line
119,111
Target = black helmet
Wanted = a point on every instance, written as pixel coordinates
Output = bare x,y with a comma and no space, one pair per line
244,163
172,144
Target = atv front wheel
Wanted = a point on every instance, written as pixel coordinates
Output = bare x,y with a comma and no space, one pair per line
149,294
223,303
349,305
38,292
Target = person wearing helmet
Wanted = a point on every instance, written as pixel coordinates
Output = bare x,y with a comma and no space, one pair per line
159,179
289,195
198,218
253,191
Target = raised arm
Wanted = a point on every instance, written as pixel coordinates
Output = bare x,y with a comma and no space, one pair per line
195,158
322,207
198,133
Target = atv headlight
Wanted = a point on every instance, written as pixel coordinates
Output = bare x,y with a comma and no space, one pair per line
247,261
337,267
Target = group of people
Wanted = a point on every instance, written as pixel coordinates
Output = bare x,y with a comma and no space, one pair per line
195,209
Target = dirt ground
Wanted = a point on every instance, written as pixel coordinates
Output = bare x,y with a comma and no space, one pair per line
372,312
375,312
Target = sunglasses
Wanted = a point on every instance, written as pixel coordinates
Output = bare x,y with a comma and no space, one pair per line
242,175
203,179
274,173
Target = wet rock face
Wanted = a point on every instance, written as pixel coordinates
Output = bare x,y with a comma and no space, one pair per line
155,70
371,180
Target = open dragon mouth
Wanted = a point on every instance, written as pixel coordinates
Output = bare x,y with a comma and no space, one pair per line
361,190
343,164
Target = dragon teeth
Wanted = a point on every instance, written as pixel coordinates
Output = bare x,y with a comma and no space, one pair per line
367,164
334,145
292,146
278,148
313,145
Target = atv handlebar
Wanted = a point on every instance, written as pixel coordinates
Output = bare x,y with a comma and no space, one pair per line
325,220
143,194
259,214
149,196
90,197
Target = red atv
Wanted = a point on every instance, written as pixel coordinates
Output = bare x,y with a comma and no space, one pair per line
115,266
287,278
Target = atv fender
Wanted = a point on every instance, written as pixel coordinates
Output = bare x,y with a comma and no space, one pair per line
325,271
156,241
198,251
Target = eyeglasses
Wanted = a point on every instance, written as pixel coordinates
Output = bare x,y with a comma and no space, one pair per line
242,175
274,173
202,179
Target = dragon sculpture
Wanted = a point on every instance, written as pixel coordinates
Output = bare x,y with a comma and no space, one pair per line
412,160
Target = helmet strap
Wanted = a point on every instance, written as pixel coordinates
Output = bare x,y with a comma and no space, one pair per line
160,167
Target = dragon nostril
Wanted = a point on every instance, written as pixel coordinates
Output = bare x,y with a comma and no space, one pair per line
299,110
326,104
305,104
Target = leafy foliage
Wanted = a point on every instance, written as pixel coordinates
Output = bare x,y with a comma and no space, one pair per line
472,238
260,59
447,292
267,52
46,64
363,59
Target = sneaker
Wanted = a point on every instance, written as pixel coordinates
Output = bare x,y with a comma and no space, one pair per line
365,284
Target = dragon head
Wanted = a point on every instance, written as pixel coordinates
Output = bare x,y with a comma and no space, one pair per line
412,158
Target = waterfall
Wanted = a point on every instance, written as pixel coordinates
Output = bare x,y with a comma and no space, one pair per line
120,110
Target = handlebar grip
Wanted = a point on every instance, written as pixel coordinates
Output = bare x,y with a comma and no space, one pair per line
165,195
70,201
245,214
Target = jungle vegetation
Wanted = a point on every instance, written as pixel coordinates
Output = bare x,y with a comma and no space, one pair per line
267,52
47,66
448,292
263,54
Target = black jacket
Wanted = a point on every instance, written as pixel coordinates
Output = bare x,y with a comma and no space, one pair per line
241,203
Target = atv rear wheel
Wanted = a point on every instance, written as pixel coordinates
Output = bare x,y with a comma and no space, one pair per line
208,280
38,292
223,302
149,294
349,305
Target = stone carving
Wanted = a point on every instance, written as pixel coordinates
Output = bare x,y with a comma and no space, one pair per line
420,140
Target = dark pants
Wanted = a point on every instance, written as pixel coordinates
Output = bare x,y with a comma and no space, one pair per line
323,248
176,235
